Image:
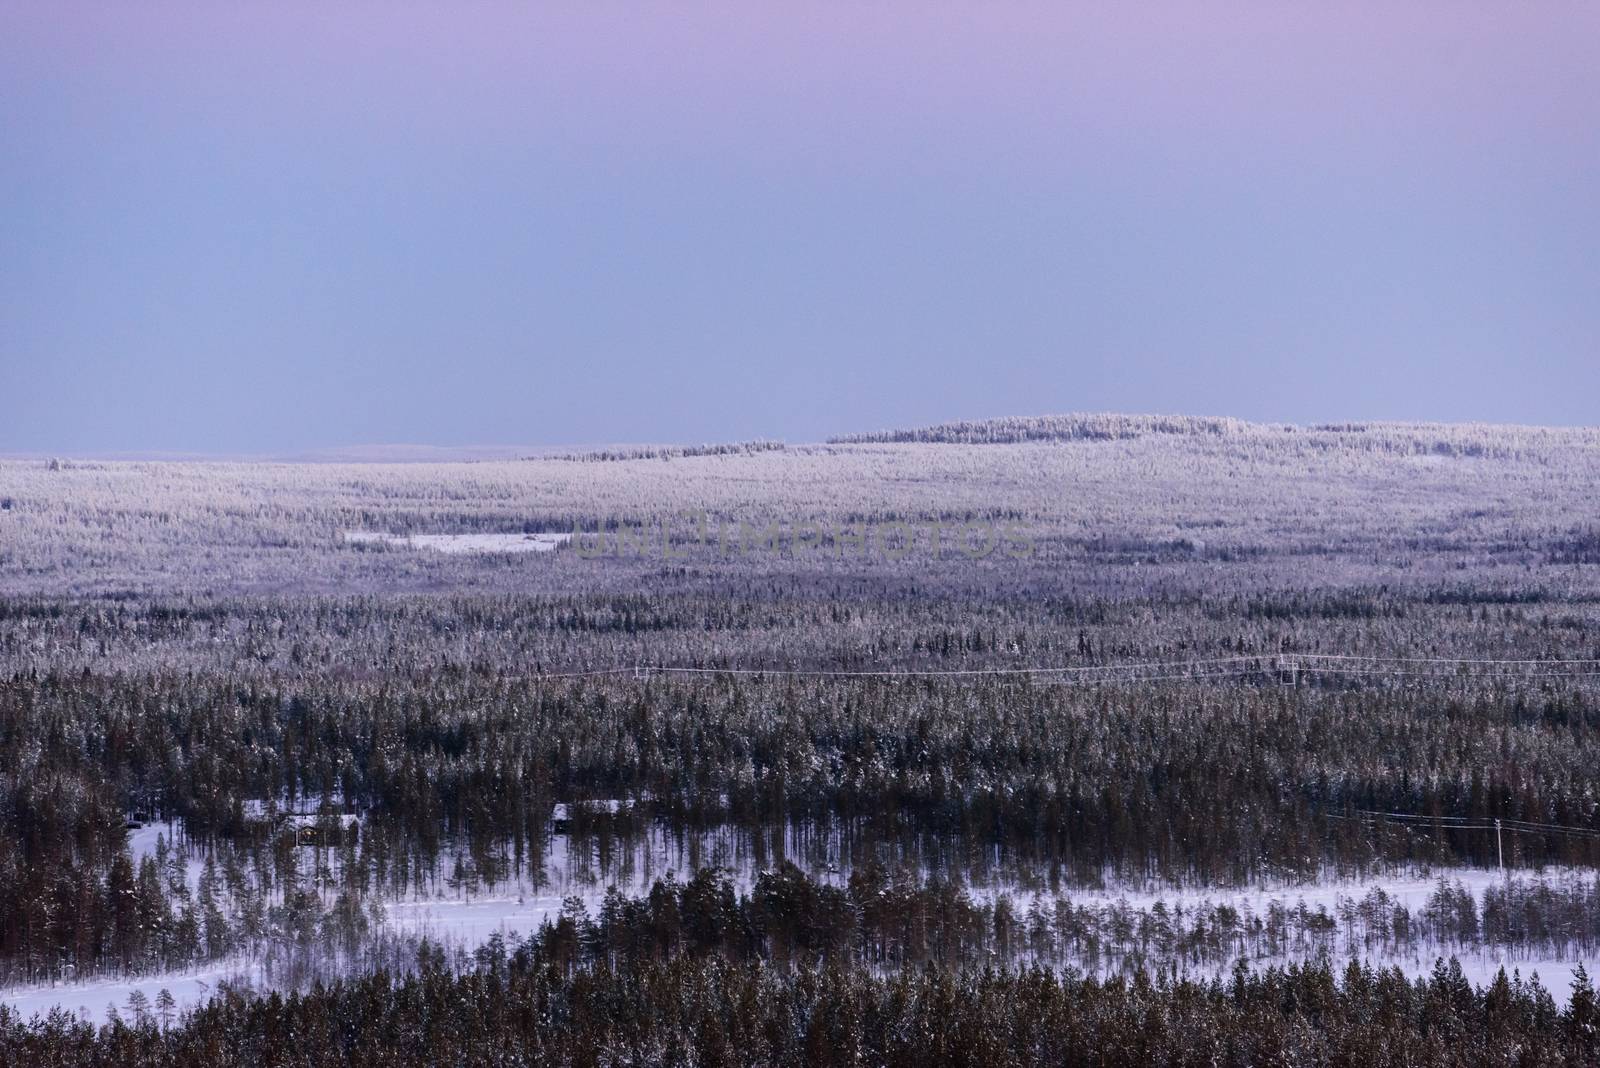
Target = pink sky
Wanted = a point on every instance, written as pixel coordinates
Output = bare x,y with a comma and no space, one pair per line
1120,206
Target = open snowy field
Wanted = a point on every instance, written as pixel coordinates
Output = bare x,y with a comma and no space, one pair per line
462,543
466,920
469,923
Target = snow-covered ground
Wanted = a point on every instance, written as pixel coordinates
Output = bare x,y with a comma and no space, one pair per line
94,1000
462,543
1409,888
466,918
143,842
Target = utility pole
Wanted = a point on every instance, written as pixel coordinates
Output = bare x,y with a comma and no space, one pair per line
1498,848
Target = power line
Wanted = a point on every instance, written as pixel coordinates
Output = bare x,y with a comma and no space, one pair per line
1430,659
1469,823
1140,671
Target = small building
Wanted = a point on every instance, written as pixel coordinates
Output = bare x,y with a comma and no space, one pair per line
319,829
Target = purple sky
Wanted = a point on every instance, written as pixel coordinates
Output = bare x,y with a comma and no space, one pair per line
274,227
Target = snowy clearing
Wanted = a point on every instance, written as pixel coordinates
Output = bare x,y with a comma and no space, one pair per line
460,544
468,919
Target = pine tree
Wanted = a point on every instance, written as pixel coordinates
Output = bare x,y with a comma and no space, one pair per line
139,1007
166,1007
1583,1016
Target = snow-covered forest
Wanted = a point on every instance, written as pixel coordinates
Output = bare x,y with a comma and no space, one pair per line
1257,735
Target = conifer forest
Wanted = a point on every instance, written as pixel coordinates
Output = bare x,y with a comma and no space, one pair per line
1101,740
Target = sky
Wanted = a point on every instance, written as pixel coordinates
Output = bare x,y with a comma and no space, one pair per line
230,228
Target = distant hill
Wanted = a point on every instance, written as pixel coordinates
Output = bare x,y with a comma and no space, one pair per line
1443,439
1102,426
